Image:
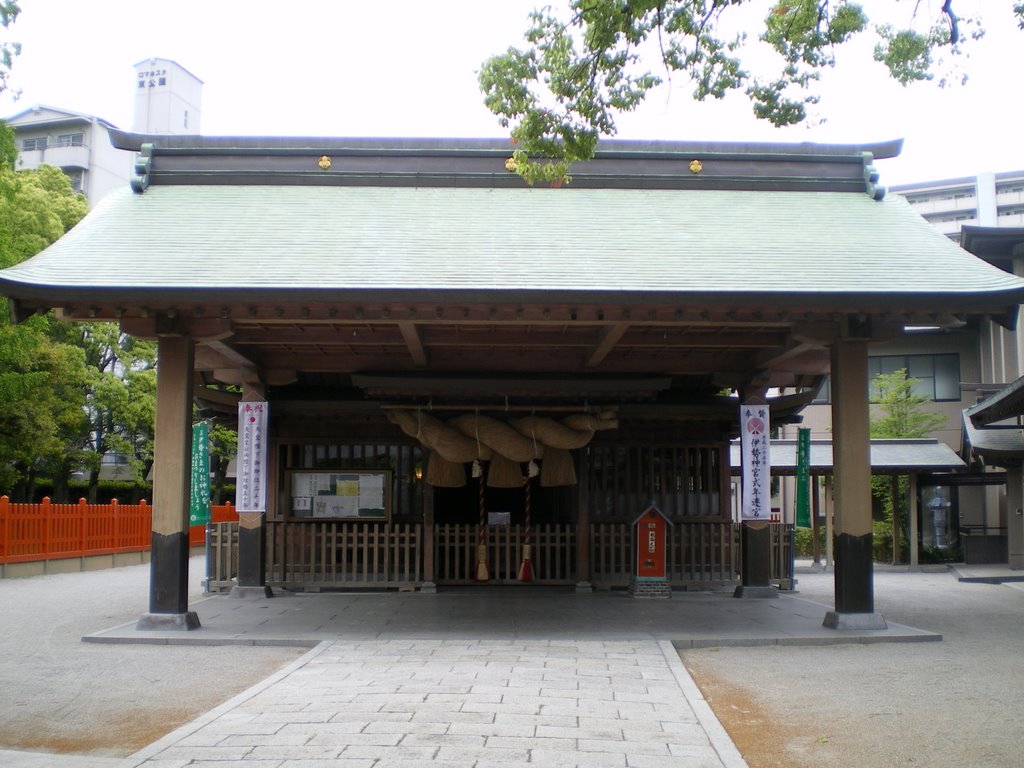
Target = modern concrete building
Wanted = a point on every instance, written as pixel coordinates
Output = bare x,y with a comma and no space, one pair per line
168,98
77,143
986,200
167,101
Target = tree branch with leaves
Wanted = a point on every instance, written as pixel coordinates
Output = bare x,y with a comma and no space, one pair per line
591,60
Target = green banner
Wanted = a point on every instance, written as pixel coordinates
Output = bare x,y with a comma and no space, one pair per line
199,498
803,478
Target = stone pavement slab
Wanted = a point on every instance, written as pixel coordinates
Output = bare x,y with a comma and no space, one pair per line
461,702
687,619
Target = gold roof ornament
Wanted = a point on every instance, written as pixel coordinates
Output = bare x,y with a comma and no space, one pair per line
324,162
696,166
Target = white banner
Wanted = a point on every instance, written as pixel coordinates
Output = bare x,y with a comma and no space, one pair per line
757,466
251,488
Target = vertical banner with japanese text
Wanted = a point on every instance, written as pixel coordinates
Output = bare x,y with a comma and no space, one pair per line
803,478
251,490
754,442
199,488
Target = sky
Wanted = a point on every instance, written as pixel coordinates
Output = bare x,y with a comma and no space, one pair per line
407,68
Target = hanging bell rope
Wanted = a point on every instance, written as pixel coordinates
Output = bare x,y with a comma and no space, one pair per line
483,573
526,567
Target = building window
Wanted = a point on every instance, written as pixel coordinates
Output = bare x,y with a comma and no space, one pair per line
938,376
71,140
77,177
31,145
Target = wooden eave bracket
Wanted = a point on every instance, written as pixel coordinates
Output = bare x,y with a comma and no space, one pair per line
610,336
414,343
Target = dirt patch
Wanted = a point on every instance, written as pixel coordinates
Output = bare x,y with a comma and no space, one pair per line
111,733
762,735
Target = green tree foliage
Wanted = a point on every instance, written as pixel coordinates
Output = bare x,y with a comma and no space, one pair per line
9,11
120,401
897,412
41,381
223,446
590,59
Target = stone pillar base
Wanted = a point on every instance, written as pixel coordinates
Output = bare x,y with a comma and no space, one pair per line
428,587
250,593
745,592
656,588
584,587
837,620
164,622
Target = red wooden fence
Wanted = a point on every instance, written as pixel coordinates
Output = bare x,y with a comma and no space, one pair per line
49,531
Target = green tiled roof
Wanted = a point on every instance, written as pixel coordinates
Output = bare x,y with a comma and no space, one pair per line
887,456
708,243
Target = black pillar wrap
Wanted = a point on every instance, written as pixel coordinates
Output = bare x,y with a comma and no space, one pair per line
251,557
854,580
168,573
755,561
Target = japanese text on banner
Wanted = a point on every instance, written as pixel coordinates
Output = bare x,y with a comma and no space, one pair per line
251,491
757,469
199,496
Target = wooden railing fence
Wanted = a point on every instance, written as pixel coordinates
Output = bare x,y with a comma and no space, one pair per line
313,556
337,554
552,555
48,531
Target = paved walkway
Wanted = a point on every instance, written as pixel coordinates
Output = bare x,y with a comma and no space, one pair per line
451,703
477,677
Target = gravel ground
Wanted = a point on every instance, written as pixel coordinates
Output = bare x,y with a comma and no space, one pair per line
956,703
65,696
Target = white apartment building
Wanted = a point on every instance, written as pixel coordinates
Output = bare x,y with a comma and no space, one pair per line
76,143
167,99
985,200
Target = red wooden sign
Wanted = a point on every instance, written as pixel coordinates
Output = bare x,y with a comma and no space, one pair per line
651,539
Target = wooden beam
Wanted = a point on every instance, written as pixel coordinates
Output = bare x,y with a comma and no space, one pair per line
609,338
413,343
230,354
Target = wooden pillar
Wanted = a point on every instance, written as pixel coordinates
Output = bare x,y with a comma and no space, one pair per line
912,513
851,449
815,520
755,536
894,491
1015,515
429,567
172,458
252,538
830,521
583,525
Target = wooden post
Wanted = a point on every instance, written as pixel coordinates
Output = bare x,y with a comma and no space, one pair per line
830,507
912,513
252,543
583,525
851,449
172,450
429,568
755,537
815,524
894,490
1015,515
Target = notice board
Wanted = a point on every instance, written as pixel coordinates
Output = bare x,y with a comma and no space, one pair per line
340,494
